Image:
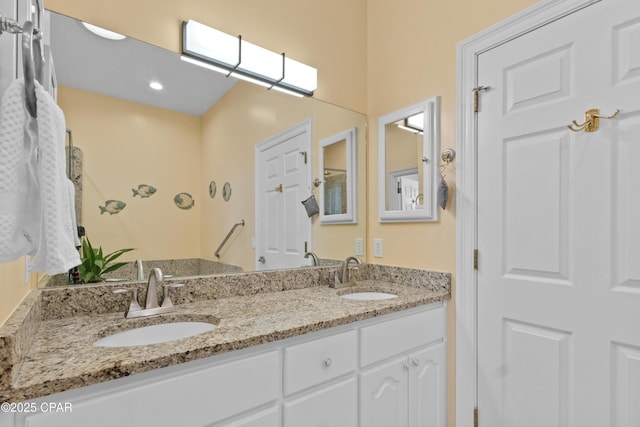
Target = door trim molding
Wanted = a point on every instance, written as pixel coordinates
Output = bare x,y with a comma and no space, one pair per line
468,50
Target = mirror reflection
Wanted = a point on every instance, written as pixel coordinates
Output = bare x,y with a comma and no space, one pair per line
335,179
148,155
408,147
338,165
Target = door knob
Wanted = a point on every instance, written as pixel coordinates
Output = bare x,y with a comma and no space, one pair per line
262,260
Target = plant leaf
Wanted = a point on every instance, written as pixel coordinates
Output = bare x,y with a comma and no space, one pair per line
114,267
116,254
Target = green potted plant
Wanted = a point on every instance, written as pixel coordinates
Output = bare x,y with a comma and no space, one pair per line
95,264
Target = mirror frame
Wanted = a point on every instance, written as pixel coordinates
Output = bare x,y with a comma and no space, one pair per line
431,146
351,216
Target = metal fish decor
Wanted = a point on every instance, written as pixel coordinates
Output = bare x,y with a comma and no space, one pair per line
144,191
112,206
184,200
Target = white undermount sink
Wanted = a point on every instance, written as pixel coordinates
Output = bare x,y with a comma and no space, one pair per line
155,334
368,296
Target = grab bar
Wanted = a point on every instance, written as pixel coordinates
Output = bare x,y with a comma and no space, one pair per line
236,225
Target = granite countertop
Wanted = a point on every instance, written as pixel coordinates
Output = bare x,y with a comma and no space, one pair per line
61,354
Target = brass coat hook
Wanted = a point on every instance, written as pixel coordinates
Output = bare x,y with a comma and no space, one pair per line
591,121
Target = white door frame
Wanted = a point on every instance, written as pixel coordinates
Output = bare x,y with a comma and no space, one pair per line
538,15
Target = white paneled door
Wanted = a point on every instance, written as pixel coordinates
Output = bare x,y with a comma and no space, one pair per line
282,183
559,224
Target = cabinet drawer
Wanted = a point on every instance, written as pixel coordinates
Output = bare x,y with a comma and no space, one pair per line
314,362
336,406
386,339
201,396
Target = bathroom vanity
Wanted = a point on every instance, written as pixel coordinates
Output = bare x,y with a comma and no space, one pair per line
298,356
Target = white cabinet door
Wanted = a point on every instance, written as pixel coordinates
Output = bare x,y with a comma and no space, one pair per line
268,418
384,394
193,397
335,406
427,387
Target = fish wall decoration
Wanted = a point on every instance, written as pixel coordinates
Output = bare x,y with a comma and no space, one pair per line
112,206
184,200
144,191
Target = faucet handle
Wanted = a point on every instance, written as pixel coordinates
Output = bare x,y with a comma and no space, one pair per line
166,300
133,304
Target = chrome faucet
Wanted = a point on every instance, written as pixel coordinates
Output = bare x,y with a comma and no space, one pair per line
151,304
342,274
316,262
155,277
140,269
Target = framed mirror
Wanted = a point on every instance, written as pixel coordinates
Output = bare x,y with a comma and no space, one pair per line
338,166
408,146
178,140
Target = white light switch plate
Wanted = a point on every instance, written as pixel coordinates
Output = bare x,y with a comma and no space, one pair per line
377,248
359,246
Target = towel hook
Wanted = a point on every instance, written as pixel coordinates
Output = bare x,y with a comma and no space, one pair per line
28,68
591,121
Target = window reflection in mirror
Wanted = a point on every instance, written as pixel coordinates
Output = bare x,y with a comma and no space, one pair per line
408,147
338,168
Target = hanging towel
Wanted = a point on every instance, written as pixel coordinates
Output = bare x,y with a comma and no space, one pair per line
443,192
19,198
56,249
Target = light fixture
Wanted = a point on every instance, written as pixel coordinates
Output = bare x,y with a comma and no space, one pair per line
413,123
156,85
235,57
104,33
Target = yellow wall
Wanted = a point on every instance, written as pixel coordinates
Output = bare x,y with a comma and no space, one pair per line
12,287
246,116
126,144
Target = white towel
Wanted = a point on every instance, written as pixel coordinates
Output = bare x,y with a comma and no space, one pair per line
56,251
36,202
19,200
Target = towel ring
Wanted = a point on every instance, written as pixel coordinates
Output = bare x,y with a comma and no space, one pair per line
28,68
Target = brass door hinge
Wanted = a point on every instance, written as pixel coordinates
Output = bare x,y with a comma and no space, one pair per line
475,417
475,259
475,91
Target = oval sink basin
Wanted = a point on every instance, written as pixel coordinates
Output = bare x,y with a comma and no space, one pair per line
155,334
368,296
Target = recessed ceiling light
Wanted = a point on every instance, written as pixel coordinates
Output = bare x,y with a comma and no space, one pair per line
102,32
156,85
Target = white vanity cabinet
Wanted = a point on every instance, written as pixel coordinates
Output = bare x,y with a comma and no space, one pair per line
386,371
404,383
405,391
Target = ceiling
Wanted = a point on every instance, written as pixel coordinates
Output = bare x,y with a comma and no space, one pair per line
124,68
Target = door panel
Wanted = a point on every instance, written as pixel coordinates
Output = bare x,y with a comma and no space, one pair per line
383,395
427,387
558,234
282,226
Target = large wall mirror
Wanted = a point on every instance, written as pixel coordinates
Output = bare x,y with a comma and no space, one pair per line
408,145
339,168
151,157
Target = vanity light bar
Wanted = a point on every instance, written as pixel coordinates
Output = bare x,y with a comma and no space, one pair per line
235,57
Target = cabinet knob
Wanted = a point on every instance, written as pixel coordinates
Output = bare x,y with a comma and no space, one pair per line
405,366
415,362
327,362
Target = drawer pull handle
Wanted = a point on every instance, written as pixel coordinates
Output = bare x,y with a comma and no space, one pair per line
405,366
327,362
415,362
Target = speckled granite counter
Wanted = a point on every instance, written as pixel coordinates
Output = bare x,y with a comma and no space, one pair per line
47,345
